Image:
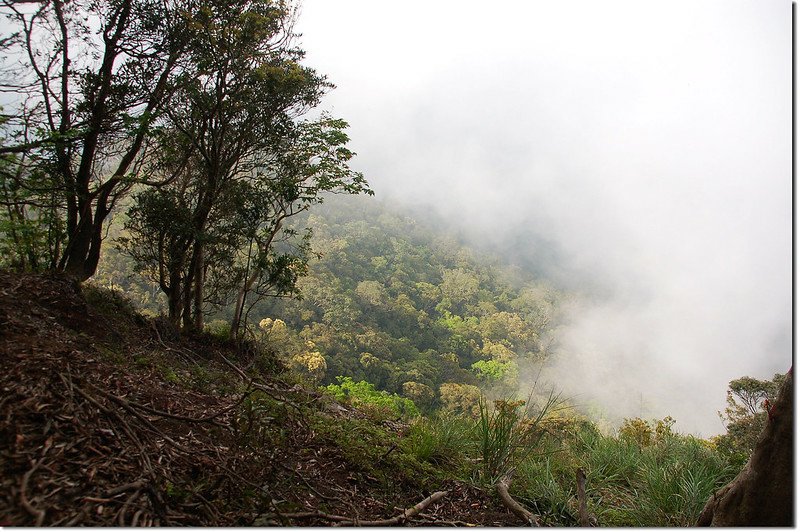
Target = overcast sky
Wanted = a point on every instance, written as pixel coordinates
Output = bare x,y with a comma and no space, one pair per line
650,140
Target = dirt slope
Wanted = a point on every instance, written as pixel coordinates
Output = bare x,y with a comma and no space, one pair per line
108,419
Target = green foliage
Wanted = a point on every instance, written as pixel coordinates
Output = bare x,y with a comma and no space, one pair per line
546,490
461,399
255,421
646,476
644,433
382,303
441,440
363,394
81,151
30,227
219,329
422,395
746,415
507,431
493,371
676,477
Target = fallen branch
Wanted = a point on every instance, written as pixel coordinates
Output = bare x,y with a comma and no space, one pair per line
349,521
251,383
515,507
161,413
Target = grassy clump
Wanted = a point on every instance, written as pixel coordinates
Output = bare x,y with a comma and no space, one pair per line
651,477
441,440
646,475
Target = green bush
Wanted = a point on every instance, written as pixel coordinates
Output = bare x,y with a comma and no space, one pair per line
440,440
363,394
508,430
220,329
645,476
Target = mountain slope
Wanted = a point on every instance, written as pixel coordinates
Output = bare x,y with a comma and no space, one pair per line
108,419
394,300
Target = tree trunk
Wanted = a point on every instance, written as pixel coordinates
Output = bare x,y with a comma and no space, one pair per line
174,299
762,494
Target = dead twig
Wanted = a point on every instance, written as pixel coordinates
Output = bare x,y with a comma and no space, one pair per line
23,498
251,383
308,484
136,485
341,520
160,413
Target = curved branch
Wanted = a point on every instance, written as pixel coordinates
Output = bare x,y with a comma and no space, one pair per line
515,507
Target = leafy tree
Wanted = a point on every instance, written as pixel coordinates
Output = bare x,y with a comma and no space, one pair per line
748,402
422,394
242,164
310,363
313,163
459,287
460,399
502,375
90,82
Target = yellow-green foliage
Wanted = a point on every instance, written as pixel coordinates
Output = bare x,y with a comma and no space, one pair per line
364,395
644,433
421,394
460,399
309,363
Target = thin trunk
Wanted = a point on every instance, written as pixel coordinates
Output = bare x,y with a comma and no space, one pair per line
250,280
174,299
199,284
242,296
188,287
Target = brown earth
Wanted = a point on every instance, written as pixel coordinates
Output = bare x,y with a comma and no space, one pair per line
107,418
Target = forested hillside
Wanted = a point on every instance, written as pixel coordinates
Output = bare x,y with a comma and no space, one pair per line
390,301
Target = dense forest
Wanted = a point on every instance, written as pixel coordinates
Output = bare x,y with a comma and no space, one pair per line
390,301
194,274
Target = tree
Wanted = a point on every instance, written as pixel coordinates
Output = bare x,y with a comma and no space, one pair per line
762,494
89,83
243,164
459,287
460,399
746,414
314,162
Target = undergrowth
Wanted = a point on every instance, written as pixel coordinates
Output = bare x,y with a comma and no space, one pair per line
659,478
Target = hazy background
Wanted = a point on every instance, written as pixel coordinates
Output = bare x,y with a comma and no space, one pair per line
637,151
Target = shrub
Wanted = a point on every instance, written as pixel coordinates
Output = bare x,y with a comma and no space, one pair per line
220,329
460,399
508,430
364,394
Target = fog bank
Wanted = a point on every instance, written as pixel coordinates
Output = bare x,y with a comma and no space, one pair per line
648,143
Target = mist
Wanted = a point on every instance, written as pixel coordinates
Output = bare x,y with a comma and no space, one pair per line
637,153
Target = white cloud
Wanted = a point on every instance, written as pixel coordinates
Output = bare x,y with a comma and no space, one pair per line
650,140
